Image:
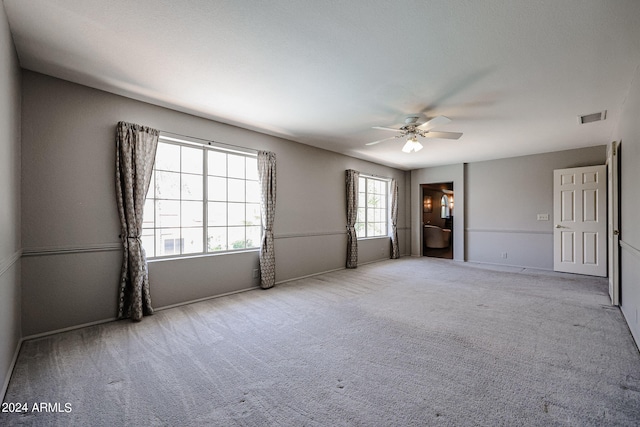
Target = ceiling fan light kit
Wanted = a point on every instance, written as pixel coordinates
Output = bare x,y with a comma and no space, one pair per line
413,130
412,145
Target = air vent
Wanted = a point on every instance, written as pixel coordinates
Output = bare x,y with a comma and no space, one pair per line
590,118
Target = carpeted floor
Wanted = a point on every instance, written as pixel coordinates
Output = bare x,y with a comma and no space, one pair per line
409,342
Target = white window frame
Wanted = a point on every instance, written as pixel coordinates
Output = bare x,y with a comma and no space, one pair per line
206,147
364,212
445,210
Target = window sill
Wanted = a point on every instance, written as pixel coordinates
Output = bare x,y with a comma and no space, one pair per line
373,238
192,256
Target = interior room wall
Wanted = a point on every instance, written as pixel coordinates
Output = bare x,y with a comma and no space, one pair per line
628,133
503,198
10,329
71,250
451,173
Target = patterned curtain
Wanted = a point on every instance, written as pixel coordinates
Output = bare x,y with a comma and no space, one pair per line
135,154
267,179
352,214
395,251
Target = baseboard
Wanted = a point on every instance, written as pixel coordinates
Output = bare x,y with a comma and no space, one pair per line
374,261
281,282
331,271
508,265
180,304
67,329
12,365
635,339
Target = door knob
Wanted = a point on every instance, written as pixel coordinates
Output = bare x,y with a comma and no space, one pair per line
558,226
616,232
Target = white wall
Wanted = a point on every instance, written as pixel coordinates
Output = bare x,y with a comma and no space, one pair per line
9,202
628,133
71,256
503,198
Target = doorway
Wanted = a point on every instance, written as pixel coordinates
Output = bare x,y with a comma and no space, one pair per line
613,223
437,219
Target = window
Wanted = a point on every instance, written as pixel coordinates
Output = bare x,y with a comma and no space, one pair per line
444,207
372,207
202,199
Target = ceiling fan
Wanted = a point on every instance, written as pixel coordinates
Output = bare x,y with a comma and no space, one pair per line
413,130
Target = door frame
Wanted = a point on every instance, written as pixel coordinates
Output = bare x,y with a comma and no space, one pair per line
613,220
445,187
572,251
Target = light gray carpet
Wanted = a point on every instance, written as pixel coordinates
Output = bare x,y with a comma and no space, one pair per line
414,341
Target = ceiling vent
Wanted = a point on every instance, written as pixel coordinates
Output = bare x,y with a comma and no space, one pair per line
590,118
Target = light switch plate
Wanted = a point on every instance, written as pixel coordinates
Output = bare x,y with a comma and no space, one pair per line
543,217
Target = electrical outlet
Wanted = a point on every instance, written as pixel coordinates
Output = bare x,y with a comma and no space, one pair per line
543,217
503,255
255,273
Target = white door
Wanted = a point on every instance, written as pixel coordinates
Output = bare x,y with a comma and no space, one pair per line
579,213
613,230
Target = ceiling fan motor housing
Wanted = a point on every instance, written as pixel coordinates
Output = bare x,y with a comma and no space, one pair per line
412,129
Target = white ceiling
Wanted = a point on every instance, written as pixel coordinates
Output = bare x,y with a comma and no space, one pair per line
513,75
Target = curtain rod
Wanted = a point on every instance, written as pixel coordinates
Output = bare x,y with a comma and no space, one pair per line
209,141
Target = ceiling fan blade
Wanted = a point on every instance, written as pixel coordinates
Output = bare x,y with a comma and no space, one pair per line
382,140
384,128
443,135
436,121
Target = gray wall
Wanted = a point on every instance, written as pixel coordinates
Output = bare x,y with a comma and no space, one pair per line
628,132
503,198
496,203
9,202
71,249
